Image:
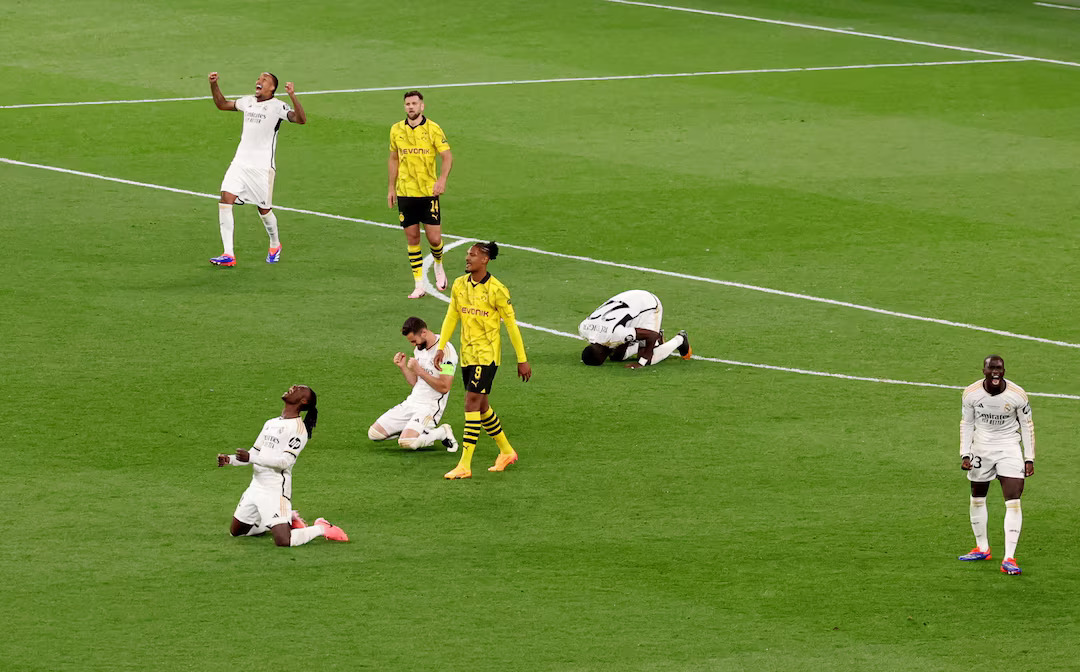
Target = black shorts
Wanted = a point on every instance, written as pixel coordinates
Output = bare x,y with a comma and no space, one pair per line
418,210
479,377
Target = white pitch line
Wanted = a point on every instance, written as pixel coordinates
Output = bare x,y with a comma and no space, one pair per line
1047,4
461,239
557,80
844,31
432,290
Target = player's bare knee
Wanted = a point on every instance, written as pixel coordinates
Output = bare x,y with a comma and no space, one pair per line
376,433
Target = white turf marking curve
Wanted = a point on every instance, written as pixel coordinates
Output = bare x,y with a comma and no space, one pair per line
844,31
1047,4
460,240
558,80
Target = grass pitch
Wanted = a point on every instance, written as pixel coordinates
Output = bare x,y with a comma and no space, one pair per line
695,516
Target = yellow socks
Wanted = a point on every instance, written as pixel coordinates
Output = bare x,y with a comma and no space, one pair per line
469,436
493,427
416,261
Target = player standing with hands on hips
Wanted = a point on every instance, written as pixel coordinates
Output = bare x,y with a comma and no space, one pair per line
481,302
414,142
995,419
250,177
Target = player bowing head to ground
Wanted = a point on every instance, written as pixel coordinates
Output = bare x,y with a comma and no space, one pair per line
414,420
627,327
267,502
481,302
250,177
414,143
997,440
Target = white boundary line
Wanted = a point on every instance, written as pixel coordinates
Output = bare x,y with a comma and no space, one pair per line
432,290
462,239
1047,4
557,80
844,31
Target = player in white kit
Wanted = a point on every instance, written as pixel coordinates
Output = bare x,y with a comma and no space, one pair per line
626,327
267,503
414,421
250,177
997,440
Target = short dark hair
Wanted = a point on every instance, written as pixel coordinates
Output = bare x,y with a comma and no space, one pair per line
413,325
594,354
491,249
273,77
989,357
410,94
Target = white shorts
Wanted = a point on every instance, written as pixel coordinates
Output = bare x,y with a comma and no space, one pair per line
250,185
416,417
989,462
263,508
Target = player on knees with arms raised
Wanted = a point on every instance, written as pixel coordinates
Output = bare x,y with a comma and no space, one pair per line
414,420
414,143
250,177
267,502
481,302
627,327
995,420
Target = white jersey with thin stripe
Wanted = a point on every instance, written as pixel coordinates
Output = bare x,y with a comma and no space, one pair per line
279,436
996,420
422,393
614,322
258,141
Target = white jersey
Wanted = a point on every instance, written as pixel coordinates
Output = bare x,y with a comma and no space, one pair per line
422,393
614,322
274,453
996,420
258,142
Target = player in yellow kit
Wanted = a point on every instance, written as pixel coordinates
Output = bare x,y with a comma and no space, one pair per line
481,303
414,142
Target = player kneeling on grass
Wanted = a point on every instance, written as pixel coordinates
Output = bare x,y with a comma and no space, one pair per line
414,420
267,503
627,327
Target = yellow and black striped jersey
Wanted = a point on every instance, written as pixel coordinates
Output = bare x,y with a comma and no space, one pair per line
481,306
416,149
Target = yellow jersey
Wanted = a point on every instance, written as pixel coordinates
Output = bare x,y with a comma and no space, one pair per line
481,306
416,149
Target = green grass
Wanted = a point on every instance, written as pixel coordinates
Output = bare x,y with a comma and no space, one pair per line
695,516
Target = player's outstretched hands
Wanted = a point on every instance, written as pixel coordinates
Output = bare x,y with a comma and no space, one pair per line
213,77
524,372
400,360
289,88
439,357
222,460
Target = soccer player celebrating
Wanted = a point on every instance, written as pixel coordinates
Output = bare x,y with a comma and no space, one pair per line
626,327
481,302
995,419
267,503
414,420
414,142
250,177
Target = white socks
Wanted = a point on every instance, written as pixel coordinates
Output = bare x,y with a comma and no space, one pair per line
1013,520
427,438
270,224
979,516
661,352
303,535
225,221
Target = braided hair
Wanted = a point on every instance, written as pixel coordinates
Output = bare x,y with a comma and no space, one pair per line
491,249
312,415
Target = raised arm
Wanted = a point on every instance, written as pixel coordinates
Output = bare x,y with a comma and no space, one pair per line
219,97
296,115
